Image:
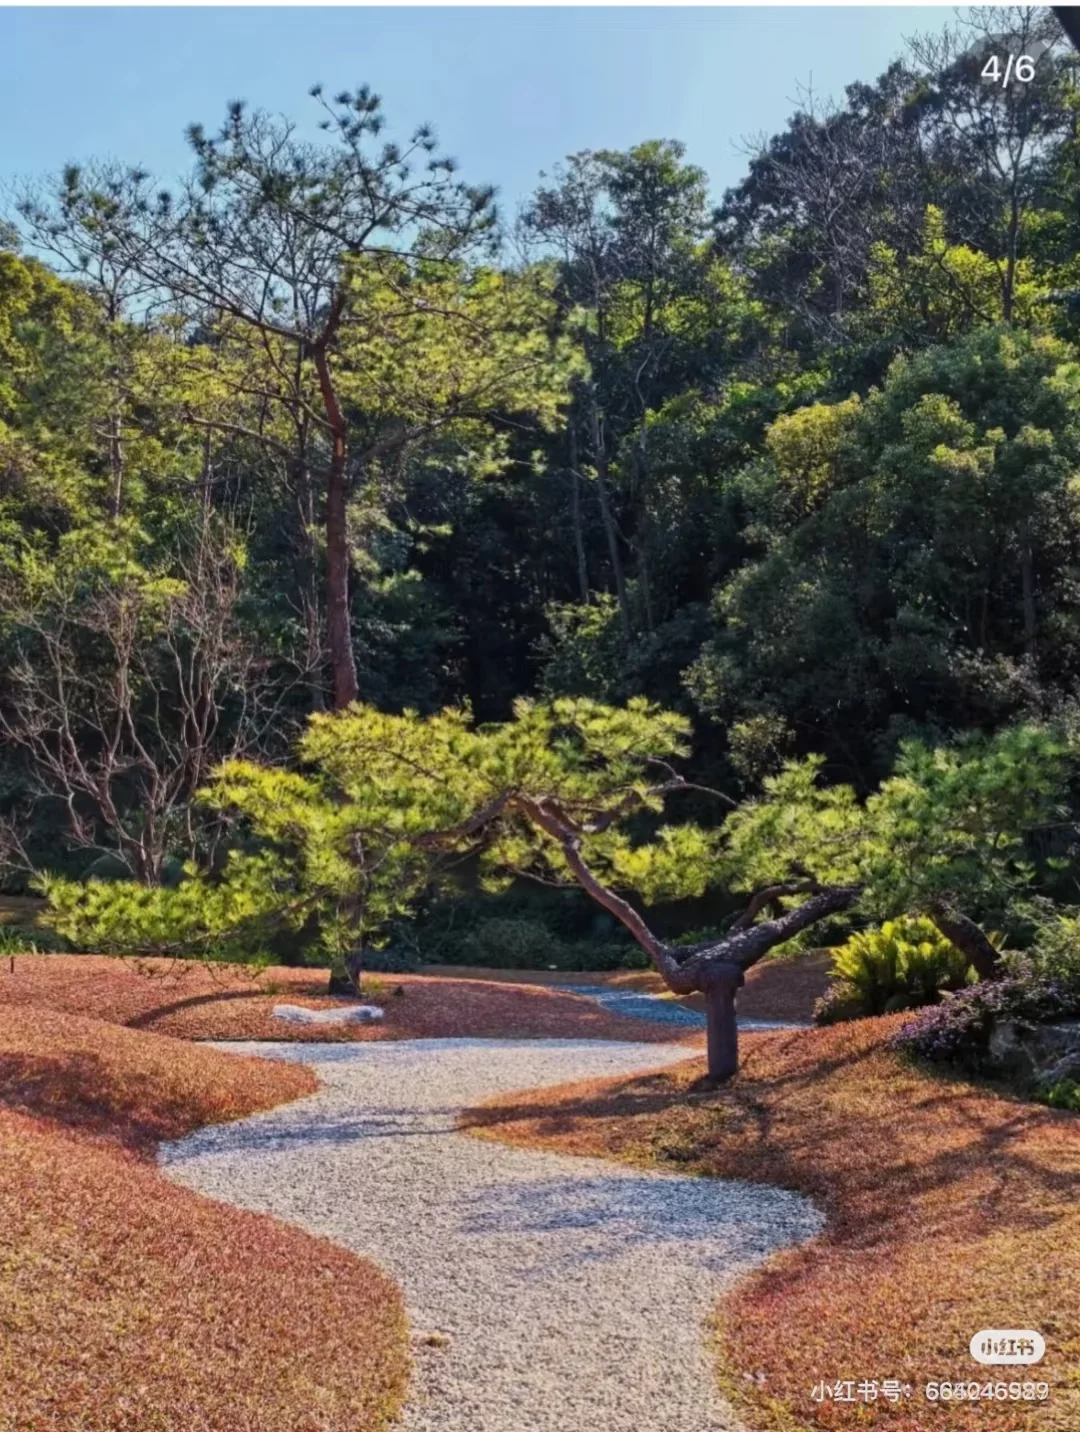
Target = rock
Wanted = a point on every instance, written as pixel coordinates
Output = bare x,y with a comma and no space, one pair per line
1038,1054
432,1339
1005,1047
350,1014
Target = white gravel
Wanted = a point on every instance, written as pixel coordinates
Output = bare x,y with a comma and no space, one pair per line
574,1293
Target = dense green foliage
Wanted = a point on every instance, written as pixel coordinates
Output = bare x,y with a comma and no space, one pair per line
901,964
386,804
1041,984
786,495
384,808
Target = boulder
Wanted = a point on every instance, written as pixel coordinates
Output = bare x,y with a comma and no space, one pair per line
349,1014
1040,1055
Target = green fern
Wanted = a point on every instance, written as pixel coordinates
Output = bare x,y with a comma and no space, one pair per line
902,964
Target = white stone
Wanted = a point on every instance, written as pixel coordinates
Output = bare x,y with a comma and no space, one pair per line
339,1014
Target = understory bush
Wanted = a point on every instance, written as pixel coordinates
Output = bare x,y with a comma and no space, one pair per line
1041,985
1055,952
393,960
510,943
28,940
903,964
600,955
958,1030
1063,1095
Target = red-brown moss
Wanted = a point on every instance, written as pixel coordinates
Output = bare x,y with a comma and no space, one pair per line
129,1304
950,1208
193,1000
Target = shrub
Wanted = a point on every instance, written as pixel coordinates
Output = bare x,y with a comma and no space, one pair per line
511,945
1063,1095
1055,954
839,1002
393,960
609,955
903,964
517,944
958,1031
26,940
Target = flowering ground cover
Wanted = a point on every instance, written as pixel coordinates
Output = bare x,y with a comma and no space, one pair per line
193,1000
951,1207
127,1302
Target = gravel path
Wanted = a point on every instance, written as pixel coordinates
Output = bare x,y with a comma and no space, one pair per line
637,1004
573,1292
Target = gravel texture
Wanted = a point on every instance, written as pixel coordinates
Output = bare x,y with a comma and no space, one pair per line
546,1293
636,1004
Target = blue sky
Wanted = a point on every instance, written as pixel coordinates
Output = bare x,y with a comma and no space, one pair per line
510,91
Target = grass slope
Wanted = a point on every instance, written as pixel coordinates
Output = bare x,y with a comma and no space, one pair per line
951,1208
193,1000
129,1303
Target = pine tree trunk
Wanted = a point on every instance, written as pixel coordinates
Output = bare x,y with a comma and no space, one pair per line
338,619
608,520
575,515
354,967
722,1033
349,982
968,939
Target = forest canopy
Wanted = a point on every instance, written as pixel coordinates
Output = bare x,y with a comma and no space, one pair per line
798,465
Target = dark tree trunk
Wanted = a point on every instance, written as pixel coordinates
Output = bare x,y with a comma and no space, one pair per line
968,939
349,982
575,513
722,1032
338,619
607,517
311,594
1027,584
641,553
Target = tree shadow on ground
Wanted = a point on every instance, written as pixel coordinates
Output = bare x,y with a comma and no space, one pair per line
891,1153
149,1017
81,1091
717,1224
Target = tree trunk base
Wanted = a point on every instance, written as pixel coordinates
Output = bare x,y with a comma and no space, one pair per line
347,983
722,1038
